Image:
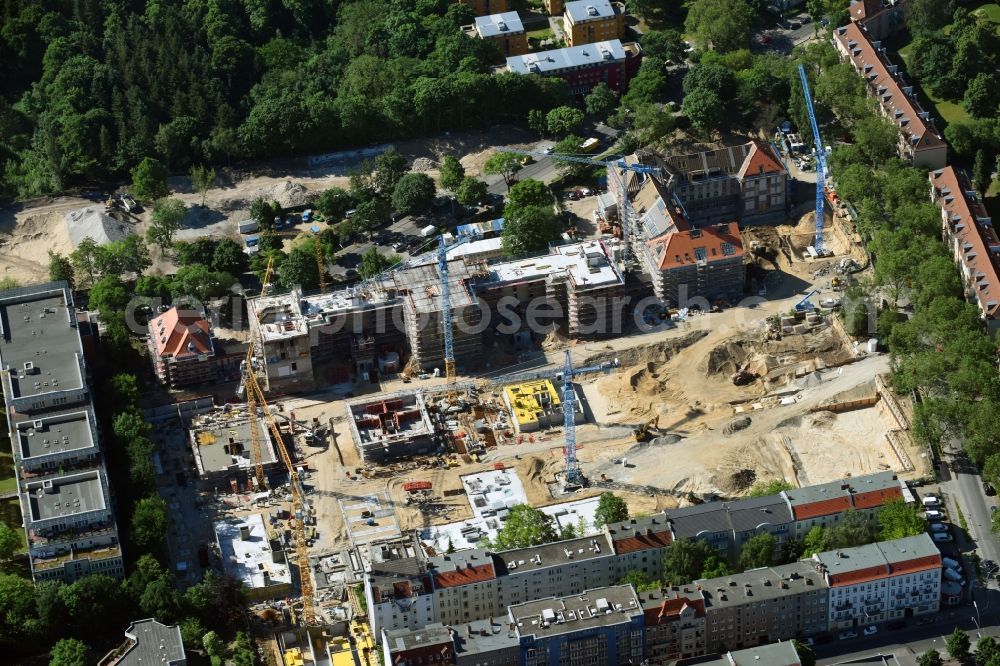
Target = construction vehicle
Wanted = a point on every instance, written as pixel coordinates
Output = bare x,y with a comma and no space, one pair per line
805,305
820,164
626,214
642,433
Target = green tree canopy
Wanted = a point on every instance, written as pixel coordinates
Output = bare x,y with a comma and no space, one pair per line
526,526
665,45
109,295
300,267
334,203
373,263
924,17
471,191
958,645
601,100
639,581
165,221
414,193
531,230
768,488
897,519
61,268
149,180
758,551
10,541
930,658
452,173
228,257
563,120
528,192
149,523
69,652
987,650
202,179
684,560
806,656
610,509
704,109
504,165
724,25
370,216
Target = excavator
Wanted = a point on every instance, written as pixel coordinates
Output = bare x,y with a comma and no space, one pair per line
643,433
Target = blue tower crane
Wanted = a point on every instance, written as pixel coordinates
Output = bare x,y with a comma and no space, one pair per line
573,474
449,342
614,168
820,163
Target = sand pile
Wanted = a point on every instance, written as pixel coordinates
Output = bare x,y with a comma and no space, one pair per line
727,358
93,222
288,193
422,164
658,353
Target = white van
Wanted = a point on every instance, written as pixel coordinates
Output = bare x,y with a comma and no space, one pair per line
933,514
930,502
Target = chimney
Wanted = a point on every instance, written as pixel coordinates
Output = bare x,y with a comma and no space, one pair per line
244,532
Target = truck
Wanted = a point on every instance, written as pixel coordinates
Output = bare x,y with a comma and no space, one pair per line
590,145
248,226
428,231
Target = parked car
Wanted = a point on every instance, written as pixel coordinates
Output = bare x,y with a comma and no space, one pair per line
844,635
938,527
989,489
871,630
942,537
934,514
931,501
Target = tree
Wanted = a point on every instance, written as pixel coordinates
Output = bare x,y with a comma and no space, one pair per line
806,656
60,269
814,541
665,45
725,25
768,488
390,167
213,644
563,120
531,230
149,523
980,174
650,122
229,257
610,509
108,295
639,581
243,651
897,519
452,173
925,17
263,213
758,551
526,193
987,650
10,541
414,193
373,263
958,645
149,180
526,526
202,178
199,282
504,165
704,109
369,216
69,652
165,221
716,567
471,191
536,121
199,251
601,100
982,96
854,529
300,267
684,560
122,257
930,658
84,260
334,203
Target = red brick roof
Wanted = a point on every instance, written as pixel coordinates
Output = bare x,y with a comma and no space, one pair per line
978,240
464,576
682,248
876,498
914,565
862,9
822,507
643,542
859,576
179,333
900,108
761,160
671,609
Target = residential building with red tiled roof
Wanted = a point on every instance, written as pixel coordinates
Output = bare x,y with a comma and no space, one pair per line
704,263
823,505
880,18
972,238
675,623
919,140
881,582
181,348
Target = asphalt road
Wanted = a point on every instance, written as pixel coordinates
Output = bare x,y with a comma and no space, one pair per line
963,488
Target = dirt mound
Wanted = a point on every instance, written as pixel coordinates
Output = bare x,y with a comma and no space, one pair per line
554,339
657,353
736,425
727,358
822,419
288,193
646,381
422,164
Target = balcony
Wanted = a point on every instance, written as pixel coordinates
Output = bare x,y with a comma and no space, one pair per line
93,555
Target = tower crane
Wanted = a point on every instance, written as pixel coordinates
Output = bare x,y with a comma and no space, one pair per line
255,399
449,341
320,264
614,168
820,163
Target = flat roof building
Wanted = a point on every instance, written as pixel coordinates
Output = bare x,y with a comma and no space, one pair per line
391,427
589,21
223,447
148,642
610,61
534,405
254,557
62,486
505,31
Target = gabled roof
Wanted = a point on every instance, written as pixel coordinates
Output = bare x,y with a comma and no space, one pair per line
973,230
901,109
862,9
761,160
180,333
686,248
463,576
657,213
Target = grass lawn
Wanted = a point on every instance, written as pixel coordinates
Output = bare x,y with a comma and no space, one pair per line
989,12
10,513
8,482
544,33
948,112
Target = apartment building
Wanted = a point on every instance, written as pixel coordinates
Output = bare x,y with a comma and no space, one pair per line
554,7
880,18
504,31
881,581
764,605
823,505
974,243
487,7
774,654
181,348
62,486
675,623
920,143
433,644
610,62
590,21
599,626
705,264
148,642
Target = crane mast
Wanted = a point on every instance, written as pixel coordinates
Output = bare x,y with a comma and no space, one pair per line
449,341
820,162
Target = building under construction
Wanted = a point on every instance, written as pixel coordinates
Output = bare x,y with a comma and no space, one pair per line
391,427
536,404
222,446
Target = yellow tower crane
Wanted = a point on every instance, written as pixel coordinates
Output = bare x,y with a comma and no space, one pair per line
255,448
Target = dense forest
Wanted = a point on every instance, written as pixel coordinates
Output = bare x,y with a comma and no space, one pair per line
89,88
